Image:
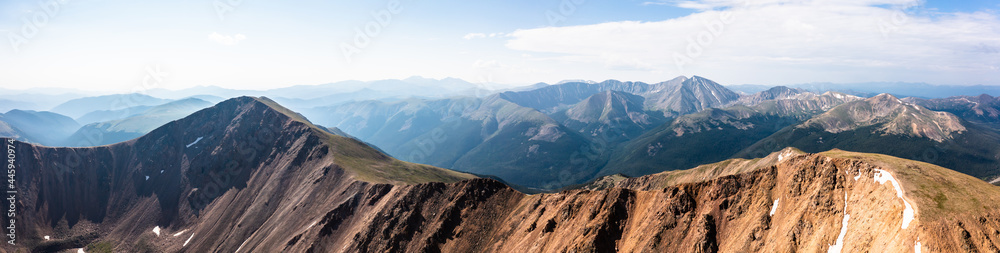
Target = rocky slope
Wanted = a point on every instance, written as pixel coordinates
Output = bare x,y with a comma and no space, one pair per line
554,98
45,128
893,117
851,202
691,95
8,131
208,181
716,134
983,109
773,93
250,176
137,123
675,97
78,107
610,115
886,125
488,136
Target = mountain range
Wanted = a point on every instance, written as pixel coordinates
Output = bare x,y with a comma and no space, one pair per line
247,175
684,165
887,125
636,129
552,136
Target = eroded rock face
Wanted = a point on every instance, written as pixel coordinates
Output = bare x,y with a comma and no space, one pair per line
302,191
718,211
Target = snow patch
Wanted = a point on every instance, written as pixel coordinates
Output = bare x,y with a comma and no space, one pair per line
47,238
179,233
916,246
775,206
548,133
785,155
858,176
195,142
881,177
147,178
241,246
156,230
843,231
80,250
188,240
161,171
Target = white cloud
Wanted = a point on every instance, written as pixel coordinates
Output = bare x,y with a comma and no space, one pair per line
474,35
226,39
661,2
483,35
820,41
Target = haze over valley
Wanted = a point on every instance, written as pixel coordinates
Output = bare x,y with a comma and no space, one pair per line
516,126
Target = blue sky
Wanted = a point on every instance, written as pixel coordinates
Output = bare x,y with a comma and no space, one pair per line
110,44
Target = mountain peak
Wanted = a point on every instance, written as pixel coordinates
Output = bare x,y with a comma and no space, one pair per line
777,92
679,79
885,98
892,116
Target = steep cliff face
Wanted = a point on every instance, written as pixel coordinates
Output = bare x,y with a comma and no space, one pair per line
250,176
788,201
208,181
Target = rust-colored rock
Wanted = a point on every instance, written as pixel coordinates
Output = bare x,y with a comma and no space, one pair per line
308,191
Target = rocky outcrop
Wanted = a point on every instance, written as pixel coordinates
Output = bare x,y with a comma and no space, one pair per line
610,115
677,96
891,116
789,201
243,167
222,181
688,96
983,109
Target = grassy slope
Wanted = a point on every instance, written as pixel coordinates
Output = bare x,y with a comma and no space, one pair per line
938,191
691,149
370,165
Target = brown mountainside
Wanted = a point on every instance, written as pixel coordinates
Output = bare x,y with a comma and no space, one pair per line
220,181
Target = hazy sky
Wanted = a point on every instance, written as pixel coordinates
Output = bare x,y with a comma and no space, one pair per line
115,45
